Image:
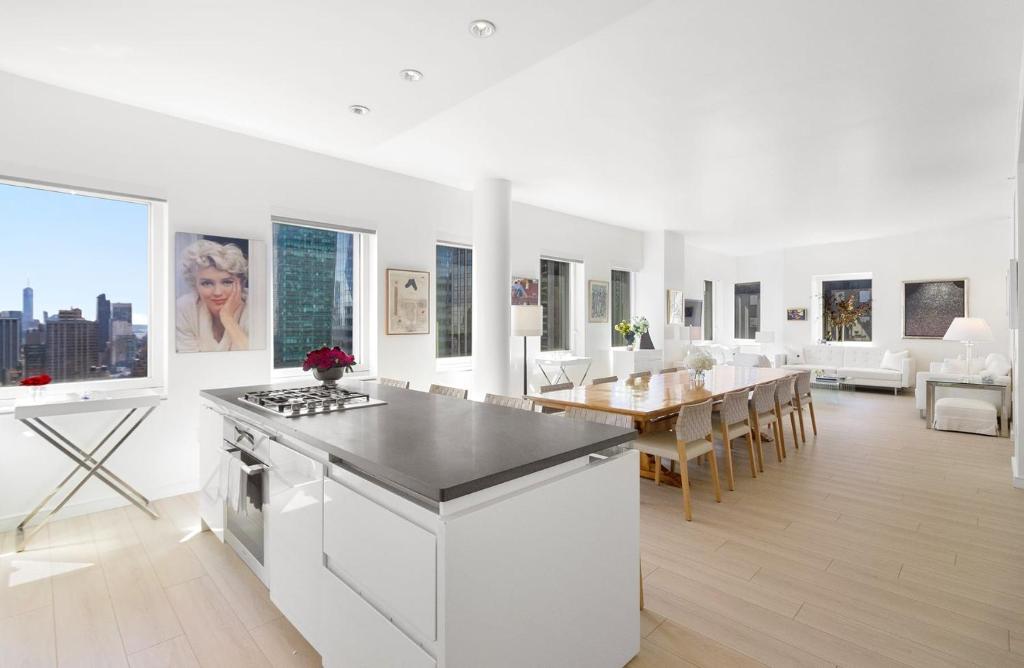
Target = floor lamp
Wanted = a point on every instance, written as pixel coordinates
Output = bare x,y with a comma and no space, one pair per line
526,321
968,331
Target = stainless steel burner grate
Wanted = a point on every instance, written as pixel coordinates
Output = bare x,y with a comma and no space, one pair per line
298,401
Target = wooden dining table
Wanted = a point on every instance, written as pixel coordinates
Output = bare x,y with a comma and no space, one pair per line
649,400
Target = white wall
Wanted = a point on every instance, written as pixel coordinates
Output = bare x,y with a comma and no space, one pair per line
219,182
979,252
702,265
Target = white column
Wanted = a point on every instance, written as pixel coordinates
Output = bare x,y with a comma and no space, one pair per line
491,290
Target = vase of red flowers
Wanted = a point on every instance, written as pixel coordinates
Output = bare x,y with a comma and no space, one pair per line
328,364
37,383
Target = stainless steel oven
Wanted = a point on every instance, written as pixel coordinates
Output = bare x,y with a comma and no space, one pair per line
245,457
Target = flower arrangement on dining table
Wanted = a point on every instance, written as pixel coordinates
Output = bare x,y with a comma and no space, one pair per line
700,361
328,364
630,330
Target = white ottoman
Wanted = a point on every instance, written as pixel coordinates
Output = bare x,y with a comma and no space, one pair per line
967,415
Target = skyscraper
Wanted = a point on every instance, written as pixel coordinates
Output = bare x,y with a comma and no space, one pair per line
33,351
71,346
305,262
27,300
122,312
103,328
10,347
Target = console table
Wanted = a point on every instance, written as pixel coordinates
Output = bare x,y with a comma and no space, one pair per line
31,412
1004,390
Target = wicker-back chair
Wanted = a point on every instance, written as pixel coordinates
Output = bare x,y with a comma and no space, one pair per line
448,391
690,439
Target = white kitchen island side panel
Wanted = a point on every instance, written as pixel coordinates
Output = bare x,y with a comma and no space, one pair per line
548,576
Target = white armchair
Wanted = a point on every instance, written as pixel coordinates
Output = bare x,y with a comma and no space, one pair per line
995,365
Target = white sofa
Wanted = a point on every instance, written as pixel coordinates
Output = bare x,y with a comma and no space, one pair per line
995,365
860,365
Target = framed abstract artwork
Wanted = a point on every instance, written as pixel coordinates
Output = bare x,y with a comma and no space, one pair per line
408,301
525,291
930,306
598,301
796,314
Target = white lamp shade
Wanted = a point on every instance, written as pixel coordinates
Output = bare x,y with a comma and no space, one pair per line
764,337
527,320
968,330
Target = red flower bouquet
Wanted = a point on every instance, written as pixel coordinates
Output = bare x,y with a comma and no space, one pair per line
33,381
328,358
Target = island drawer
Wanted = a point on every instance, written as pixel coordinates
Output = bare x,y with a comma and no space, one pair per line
388,559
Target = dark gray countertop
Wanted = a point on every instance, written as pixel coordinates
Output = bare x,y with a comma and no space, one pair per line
436,447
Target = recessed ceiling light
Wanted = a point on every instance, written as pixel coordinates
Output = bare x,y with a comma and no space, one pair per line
482,28
359,110
411,75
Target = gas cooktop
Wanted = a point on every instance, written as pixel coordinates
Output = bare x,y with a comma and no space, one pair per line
312,400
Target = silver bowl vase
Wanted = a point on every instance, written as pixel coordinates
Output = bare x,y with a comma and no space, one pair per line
329,377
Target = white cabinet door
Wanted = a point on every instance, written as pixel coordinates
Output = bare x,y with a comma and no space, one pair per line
356,635
294,538
384,555
212,476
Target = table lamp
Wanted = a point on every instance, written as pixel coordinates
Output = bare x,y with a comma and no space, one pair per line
968,331
527,320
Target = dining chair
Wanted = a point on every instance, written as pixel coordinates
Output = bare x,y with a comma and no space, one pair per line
606,379
640,374
690,439
762,414
508,402
671,369
732,420
805,400
448,391
785,395
392,382
544,389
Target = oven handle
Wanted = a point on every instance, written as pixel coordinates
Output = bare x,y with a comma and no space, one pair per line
247,469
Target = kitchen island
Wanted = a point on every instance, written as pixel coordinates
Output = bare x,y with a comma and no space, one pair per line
432,531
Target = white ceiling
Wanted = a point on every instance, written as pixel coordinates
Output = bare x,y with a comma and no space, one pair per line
747,124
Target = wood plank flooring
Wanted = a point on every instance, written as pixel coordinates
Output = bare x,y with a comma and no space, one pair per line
879,543
119,589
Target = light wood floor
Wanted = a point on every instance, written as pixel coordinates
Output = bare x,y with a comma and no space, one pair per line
880,543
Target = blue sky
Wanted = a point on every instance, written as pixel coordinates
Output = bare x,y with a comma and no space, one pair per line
72,248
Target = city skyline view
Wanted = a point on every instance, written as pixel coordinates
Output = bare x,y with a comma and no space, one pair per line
45,246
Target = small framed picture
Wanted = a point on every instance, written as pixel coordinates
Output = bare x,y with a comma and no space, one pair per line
525,291
796,314
675,309
408,302
598,301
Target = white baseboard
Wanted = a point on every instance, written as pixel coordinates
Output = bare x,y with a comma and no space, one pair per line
1018,475
73,509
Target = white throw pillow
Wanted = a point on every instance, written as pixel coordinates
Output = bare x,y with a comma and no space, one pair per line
997,365
894,361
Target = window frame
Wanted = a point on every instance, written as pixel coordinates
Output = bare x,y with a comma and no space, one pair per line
158,247
735,312
632,301
363,248
575,272
452,363
818,307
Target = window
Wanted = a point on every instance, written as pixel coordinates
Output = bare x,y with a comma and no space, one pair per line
846,310
454,301
621,306
74,285
709,311
315,288
556,298
747,312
